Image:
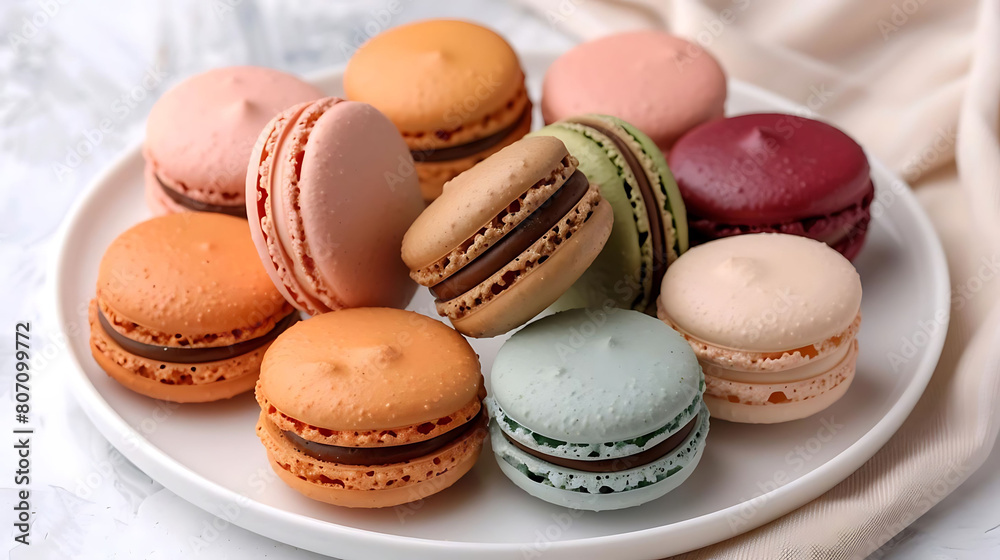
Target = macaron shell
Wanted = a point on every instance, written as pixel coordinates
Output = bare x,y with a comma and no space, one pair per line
655,65
747,413
767,168
370,368
618,374
238,374
542,285
621,258
424,76
371,486
357,197
796,386
331,190
190,274
433,175
387,497
156,200
844,230
201,132
471,200
210,392
763,292
669,194
565,483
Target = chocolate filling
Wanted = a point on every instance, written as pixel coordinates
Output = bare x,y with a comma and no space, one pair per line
380,455
618,464
191,355
517,240
239,211
470,148
656,228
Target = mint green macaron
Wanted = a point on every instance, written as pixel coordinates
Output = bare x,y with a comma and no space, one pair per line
597,409
650,229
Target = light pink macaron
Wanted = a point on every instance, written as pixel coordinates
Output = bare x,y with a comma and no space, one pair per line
660,83
200,134
331,188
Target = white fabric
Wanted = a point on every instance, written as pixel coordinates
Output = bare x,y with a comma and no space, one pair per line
918,84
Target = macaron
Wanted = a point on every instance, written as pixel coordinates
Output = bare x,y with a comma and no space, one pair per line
650,228
597,410
773,319
200,134
455,90
184,311
506,238
330,191
662,84
777,173
371,407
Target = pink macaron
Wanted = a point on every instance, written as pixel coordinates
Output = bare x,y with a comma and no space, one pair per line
200,134
660,83
330,189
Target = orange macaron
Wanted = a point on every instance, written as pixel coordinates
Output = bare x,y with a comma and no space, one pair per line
371,407
454,89
184,309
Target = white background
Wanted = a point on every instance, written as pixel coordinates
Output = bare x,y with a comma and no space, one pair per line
67,67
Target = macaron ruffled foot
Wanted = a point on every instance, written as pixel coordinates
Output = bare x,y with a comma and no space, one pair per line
371,407
508,237
773,319
184,311
597,410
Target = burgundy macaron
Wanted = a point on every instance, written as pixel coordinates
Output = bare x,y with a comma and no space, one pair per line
773,172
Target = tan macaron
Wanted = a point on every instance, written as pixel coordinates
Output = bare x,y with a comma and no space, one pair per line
371,407
508,237
184,310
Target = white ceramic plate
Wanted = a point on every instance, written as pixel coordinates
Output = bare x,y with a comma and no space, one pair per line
749,475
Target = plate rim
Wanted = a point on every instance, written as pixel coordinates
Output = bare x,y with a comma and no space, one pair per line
207,495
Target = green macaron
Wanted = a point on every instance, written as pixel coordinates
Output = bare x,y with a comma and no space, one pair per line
650,229
597,409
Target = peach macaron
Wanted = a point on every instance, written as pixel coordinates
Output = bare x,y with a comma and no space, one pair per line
200,133
371,407
330,191
184,310
773,319
455,90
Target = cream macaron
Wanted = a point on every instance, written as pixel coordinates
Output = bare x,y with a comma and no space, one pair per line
773,319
